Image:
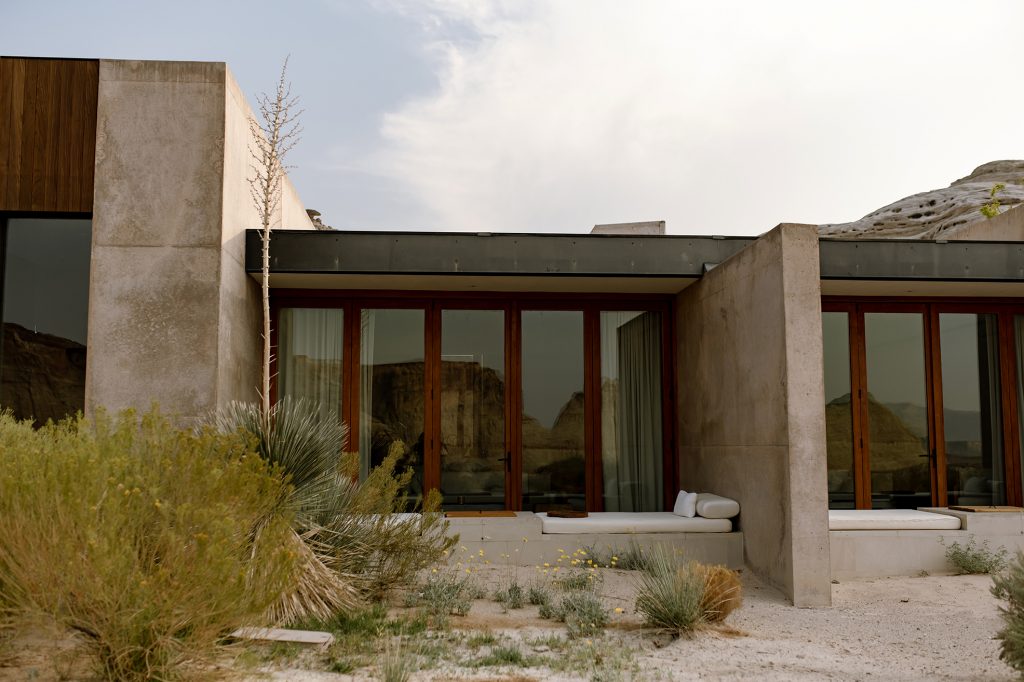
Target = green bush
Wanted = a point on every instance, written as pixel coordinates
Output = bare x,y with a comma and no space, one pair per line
538,595
970,558
152,542
1009,587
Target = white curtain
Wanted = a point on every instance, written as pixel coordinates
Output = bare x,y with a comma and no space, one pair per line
310,357
632,458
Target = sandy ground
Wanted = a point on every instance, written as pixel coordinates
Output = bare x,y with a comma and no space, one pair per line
925,628
922,628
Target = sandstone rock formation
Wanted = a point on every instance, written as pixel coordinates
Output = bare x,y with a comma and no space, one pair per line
939,213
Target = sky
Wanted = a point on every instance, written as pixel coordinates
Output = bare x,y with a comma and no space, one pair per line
527,116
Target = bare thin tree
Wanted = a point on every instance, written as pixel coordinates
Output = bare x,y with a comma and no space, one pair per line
274,133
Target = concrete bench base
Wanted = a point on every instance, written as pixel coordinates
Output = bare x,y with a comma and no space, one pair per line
859,554
522,539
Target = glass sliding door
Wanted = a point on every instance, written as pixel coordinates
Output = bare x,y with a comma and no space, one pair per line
474,458
392,391
898,446
553,410
632,457
971,411
309,357
838,410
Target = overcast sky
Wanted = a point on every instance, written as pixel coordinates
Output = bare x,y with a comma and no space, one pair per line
486,115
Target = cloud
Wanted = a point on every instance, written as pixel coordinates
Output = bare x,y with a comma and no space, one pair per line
720,118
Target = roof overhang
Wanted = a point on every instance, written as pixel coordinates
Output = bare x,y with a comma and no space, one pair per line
626,263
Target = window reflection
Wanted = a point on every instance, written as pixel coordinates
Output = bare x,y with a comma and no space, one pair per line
838,410
45,317
553,410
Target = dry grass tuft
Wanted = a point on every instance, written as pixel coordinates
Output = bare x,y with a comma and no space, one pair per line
723,593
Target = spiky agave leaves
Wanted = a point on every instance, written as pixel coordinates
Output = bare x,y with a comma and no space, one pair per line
308,451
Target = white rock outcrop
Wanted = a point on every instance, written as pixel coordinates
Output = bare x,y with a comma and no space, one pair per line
939,213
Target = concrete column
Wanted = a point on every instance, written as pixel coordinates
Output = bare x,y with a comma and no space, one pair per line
751,404
173,318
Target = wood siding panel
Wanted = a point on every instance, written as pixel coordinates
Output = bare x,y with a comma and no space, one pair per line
47,134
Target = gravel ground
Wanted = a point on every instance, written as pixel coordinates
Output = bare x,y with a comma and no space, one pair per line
922,628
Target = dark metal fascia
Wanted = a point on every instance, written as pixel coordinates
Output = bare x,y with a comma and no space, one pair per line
937,260
426,253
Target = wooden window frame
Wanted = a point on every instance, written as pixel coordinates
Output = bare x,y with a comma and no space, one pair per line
513,304
930,308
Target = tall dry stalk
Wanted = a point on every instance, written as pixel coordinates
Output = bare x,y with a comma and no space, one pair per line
274,135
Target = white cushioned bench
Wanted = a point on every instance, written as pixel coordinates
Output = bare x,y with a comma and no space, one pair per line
890,519
633,522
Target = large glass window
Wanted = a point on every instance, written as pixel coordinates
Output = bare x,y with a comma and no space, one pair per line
45,317
838,410
898,449
473,454
632,458
309,357
553,420
391,391
971,413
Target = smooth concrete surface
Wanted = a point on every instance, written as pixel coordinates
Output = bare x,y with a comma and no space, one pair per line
520,542
173,319
1007,226
751,405
858,554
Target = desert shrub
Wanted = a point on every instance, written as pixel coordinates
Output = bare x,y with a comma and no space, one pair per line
631,558
971,558
538,595
397,664
669,595
504,655
582,612
1009,587
150,541
512,595
442,595
723,593
356,543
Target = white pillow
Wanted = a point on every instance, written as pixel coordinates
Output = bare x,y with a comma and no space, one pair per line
716,507
686,504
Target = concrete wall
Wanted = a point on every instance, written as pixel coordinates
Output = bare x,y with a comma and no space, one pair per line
1007,226
751,404
172,316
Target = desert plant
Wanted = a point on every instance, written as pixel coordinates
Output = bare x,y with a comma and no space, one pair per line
538,595
971,558
991,209
357,547
723,593
396,665
150,541
503,655
582,612
1009,587
511,596
442,595
272,136
669,595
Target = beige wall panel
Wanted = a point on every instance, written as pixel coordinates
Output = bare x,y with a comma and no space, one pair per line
152,329
751,404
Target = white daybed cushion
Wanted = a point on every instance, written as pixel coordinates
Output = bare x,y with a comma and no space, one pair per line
634,522
686,504
716,507
890,519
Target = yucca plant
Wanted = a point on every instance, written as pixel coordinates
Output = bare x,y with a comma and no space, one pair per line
352,545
